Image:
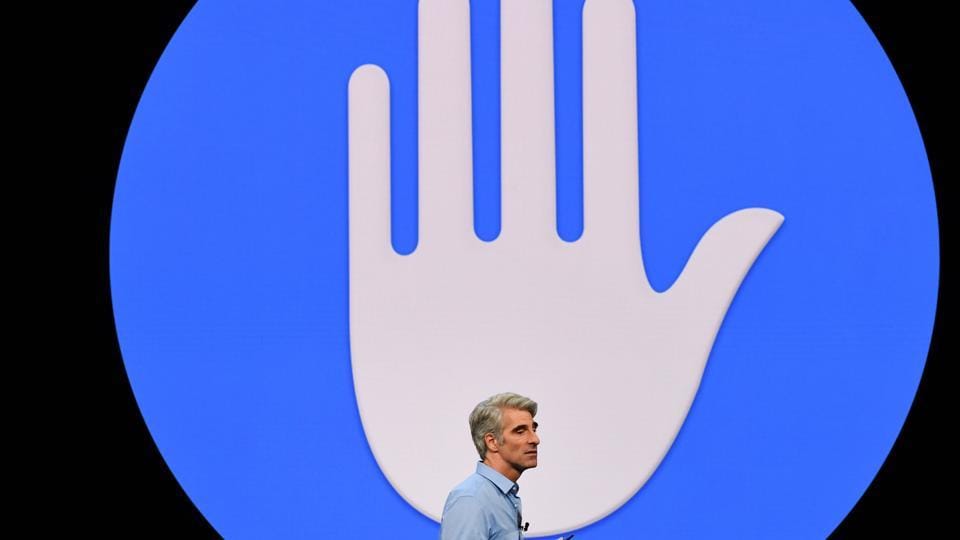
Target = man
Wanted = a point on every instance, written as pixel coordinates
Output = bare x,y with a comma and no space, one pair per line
486,505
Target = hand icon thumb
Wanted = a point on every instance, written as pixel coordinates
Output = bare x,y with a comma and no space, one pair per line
722,259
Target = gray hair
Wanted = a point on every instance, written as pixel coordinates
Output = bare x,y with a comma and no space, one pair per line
487,417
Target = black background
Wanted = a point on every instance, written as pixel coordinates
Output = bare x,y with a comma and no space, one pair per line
105,476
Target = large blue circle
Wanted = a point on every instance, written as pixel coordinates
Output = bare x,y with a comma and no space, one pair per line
229,243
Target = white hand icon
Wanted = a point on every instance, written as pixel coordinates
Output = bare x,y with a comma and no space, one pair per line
614,365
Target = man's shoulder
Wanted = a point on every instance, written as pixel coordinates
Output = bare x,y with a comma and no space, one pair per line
465,515
473,486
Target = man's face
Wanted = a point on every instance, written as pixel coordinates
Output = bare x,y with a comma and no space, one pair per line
520,440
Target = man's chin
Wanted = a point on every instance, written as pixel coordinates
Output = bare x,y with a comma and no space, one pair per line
527,465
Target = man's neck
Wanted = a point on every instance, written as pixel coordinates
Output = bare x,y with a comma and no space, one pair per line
502,467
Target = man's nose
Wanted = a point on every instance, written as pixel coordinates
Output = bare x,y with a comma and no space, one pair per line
536,438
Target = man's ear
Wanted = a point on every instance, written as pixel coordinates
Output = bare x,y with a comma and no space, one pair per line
491,443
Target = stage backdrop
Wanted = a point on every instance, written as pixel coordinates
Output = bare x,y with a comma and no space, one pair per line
340,225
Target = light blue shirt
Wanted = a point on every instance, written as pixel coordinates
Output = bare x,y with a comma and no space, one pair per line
485,506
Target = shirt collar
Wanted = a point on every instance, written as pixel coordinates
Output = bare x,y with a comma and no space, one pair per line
503,483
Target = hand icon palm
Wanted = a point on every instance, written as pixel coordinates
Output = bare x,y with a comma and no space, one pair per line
614,364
